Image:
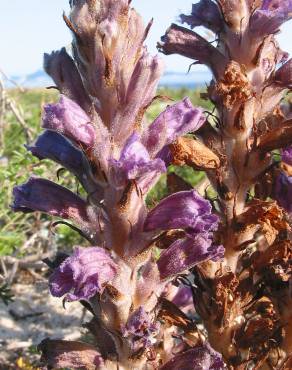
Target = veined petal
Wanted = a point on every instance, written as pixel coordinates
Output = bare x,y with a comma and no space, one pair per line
46,196
197,358
205,13
186,209
83,274
69,119
59,354
186,253
177,120
54,146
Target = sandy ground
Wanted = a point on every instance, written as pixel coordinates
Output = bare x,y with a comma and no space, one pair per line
33,316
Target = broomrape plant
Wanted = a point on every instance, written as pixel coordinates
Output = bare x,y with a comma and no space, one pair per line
148,271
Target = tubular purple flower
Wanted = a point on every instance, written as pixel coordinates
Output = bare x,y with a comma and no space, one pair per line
140,330
186,253
144,80
196,358
83,274
61,67
205,13
183,210
283,191
140,92
46,196
177,120
54,146
179,40
135,162
67,118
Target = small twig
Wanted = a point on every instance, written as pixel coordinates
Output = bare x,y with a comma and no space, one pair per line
17,317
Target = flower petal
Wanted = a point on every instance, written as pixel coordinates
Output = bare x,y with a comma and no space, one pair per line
83,274
46,196
179,40
140,92
283,191
183,297
186,253
140,330
186,209
61,67
287,155
205,13
54,146
270,17
177,120
135,162
69,119
59,354
197,358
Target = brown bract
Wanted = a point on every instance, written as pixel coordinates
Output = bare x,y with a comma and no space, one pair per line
164,240
234,87
275,263
277,138
261,331
194,153
172,315
264,215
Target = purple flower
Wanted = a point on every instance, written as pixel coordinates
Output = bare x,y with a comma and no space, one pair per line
61,67
46,196
183,210
83,274
135,162
69,119
205,13
287,155
140,330
139,94
270,17
186,253
179,40
183,297
283,191
177,120
54,146
59,354
197,358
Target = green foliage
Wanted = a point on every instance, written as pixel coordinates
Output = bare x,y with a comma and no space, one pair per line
16,165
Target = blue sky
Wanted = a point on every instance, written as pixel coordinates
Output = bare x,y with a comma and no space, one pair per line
28,28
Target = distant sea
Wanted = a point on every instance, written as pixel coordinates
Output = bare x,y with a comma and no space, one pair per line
175,80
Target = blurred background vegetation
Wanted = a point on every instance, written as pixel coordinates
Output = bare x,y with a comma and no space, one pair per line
21,232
